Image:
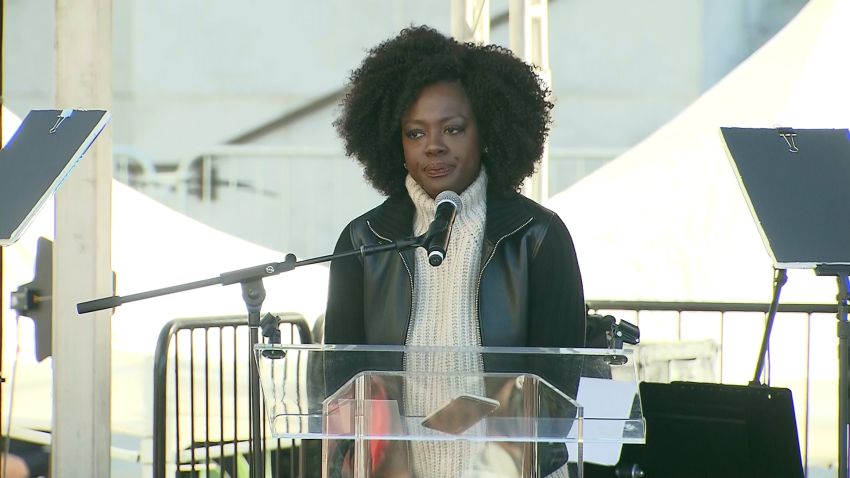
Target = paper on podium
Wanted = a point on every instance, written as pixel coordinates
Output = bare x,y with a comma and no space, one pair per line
40,155
603,399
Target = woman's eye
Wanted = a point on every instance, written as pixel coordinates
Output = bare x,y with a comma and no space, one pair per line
415,134
453,130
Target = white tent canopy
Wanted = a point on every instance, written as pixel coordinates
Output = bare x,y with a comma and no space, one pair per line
667,220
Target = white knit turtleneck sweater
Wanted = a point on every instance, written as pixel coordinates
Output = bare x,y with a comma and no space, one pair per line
445,314
444,297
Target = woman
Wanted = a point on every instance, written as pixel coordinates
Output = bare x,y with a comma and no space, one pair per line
425,114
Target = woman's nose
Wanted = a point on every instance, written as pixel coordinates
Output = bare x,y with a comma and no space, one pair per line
435,145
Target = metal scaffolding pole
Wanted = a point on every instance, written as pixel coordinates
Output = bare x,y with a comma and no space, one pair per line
529,39
82,250
471,21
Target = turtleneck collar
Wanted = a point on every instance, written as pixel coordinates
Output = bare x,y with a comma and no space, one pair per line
473,200
394,218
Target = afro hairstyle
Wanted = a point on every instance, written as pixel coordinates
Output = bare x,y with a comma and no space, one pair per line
509,100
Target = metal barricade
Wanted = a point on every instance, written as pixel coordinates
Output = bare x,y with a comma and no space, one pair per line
201,399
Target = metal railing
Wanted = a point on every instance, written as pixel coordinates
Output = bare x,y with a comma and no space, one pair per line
201,404
294,199
643,313
199,176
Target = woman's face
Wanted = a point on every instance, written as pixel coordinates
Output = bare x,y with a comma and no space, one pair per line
440,139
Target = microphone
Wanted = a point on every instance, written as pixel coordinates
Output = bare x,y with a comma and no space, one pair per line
437,237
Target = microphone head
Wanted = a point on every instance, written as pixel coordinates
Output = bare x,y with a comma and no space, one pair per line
449,196
435,258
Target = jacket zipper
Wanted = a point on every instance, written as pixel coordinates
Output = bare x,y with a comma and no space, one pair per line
478,286
477,290
409,276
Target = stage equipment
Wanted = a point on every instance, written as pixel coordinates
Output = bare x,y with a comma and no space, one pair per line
33,299
795,184
40,155
33,164
708,429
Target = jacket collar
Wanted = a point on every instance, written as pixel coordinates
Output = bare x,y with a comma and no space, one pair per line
505,213
393,219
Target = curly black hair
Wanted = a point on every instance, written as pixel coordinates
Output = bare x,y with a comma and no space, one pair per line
509,100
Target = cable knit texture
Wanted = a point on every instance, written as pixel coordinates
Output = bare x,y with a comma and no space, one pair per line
445,314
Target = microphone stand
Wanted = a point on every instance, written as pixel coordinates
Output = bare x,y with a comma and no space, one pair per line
841,272
253,293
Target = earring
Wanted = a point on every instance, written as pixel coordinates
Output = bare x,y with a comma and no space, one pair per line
486,150
404,165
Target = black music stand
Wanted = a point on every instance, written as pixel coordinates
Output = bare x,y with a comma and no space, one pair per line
795,184
41,154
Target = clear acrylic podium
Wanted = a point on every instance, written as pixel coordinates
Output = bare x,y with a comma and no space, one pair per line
475,412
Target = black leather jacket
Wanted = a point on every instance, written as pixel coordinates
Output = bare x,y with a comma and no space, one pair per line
529,289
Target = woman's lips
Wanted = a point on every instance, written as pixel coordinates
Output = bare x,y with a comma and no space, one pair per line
438,170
